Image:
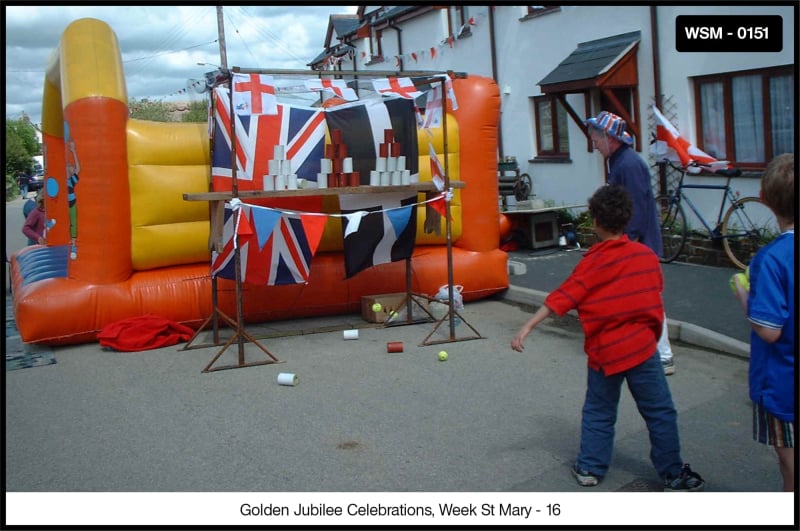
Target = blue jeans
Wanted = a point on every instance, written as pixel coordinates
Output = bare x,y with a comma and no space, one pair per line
649,389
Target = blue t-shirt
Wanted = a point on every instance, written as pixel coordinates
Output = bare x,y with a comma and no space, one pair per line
771,305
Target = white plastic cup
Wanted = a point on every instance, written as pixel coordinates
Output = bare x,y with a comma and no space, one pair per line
347,165
350,334
287,378
325,166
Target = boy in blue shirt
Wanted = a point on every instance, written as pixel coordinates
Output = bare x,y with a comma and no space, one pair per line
770,308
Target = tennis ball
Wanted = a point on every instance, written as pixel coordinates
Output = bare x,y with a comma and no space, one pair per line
442,355
376,307
744,280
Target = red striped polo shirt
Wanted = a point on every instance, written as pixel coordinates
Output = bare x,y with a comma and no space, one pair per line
616,289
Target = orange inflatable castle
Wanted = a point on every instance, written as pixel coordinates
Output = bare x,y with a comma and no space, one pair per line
126,243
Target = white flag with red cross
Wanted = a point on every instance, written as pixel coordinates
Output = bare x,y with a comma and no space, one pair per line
397,86
254,94
668,142
337,86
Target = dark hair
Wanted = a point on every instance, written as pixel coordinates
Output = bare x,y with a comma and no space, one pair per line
611,208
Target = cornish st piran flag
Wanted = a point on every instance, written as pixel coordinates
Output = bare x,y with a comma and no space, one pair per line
669,143
300,129
363,123
274,248
377,229
254,94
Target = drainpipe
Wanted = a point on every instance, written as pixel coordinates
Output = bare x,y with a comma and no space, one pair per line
399,44
656,63
493,48
662,170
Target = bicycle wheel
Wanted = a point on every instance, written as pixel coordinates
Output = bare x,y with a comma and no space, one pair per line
673,227
748,226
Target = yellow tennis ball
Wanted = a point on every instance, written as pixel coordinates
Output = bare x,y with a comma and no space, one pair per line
376,307
442,355
744,280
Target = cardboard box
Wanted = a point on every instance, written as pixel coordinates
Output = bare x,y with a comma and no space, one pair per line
389,302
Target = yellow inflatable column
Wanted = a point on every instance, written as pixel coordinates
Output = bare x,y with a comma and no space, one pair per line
94,99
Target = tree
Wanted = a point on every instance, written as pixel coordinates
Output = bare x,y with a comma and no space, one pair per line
21,145
160,111
198,112
144,109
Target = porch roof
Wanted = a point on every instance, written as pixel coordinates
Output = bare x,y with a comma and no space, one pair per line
603,62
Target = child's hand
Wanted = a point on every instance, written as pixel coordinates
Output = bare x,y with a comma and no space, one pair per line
518,342
741,289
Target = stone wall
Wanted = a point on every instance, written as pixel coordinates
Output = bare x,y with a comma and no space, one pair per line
697,250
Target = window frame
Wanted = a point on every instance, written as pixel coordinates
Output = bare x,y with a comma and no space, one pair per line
558,152
539,10
454,26
726,80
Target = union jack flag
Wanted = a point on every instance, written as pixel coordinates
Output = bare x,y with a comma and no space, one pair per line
300,129
291,248
274,248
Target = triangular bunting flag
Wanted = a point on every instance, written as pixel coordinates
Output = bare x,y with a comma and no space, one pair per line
265,220
314,226
399,218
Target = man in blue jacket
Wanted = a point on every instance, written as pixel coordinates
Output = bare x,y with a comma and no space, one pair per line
626,168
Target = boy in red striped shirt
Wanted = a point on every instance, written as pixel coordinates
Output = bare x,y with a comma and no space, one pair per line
616,289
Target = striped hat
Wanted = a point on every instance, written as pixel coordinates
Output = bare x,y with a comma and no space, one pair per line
612,125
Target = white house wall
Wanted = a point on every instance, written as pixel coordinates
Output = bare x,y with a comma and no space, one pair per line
528,50
420,34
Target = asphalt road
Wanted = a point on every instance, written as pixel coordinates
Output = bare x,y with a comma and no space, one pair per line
487,424
694,294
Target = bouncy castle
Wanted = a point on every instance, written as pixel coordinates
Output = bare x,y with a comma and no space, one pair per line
124,242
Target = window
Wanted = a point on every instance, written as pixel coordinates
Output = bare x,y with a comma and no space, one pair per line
457,18
535,11
552,140
746,117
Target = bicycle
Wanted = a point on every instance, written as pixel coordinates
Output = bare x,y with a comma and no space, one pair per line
745,227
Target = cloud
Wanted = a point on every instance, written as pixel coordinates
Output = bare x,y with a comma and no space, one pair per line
161,45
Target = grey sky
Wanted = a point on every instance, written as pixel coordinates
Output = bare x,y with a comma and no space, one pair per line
162,45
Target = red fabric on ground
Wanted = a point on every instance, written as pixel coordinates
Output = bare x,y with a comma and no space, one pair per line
144,332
